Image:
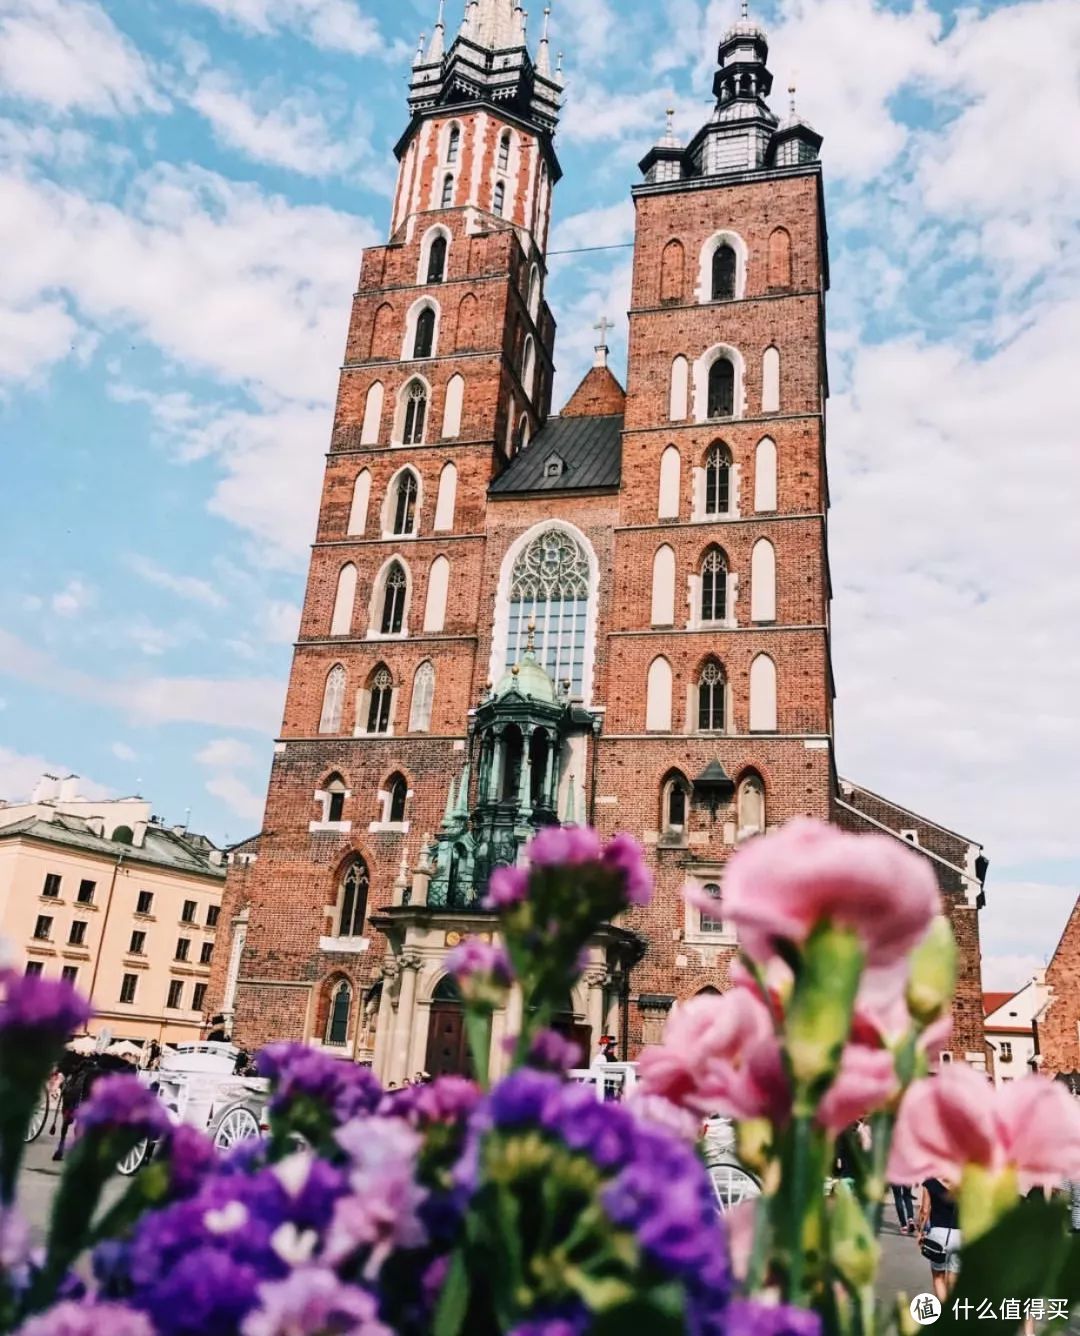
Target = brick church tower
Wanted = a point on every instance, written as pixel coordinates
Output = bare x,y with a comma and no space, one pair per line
619,614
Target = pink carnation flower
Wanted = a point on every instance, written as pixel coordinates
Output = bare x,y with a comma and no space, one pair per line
958,1118
720,1055
781,887
865,1083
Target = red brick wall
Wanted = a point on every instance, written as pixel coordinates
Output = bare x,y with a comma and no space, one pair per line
1059,1029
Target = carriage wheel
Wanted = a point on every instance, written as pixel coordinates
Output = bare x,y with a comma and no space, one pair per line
38,1118
732,1185
134,1160
239,1124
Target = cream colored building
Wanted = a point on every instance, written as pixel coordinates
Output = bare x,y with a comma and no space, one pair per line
99,892
1009,1025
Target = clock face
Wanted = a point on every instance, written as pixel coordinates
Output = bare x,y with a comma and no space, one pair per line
453,938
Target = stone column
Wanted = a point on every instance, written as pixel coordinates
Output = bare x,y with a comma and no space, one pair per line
497,1056
385,1022
595,979
549,772
525,781
515,1010
409,963
495,774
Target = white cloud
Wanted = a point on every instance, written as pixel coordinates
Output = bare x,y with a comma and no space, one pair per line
187,587
290,131
608,225
19,773
954,545
68,55
223,279
123,752
33,338
279,622
226,754
244,703
237,796
73,599
336,25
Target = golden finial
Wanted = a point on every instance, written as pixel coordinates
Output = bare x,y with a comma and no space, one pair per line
530,644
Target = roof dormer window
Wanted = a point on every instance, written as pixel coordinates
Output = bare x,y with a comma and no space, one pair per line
554,467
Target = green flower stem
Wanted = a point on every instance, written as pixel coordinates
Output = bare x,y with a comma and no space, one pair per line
873,1188
762,1246
798,1200
478,1033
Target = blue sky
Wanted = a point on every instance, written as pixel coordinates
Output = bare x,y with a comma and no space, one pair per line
185,190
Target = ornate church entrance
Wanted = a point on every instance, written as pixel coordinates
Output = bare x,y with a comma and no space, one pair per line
447,1046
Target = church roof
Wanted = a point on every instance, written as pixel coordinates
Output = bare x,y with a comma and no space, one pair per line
598,395
568,454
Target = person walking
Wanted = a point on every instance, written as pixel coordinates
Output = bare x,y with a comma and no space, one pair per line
904,1201
939,1235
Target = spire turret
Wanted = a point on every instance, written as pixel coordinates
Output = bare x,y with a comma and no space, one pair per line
467,72
744,133
543,55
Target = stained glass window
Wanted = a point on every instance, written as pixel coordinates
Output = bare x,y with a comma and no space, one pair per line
550,584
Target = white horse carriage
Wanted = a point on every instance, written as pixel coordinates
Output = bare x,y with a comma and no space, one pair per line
198,1085
731,1182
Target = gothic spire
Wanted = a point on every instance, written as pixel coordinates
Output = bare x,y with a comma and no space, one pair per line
492,24
543,55
437,49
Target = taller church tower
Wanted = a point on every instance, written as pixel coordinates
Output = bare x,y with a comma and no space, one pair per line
447,374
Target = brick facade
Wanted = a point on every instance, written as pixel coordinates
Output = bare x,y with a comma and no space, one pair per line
619,772
1058,1027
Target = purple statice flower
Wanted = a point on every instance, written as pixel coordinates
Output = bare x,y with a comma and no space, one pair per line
298,1071
123,1102
433,1280
508,887
624,856
42,1011
87,1319
521,1099
205,1292
567,1320
474,958
747,1317
190,1155
551,1052
564,846
314,1302
450,1099
383,1211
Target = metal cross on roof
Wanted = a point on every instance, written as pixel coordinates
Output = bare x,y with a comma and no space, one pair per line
604,325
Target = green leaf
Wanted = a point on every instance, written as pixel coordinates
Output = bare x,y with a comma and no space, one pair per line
454,1300
659,1312
1027,1255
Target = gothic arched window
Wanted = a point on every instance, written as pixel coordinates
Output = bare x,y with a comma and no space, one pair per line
724,269
712,690
423,698
750,805
447,191
675,805
714,587
395,591
337,1020
504,152
550,585
424,341
381,699
453,144
415,414
334,796
499,199
398,790
405,503
333,700
721,389
672,272
718,481
436,269
352,899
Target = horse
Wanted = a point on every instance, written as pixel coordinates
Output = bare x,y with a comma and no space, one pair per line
79,1074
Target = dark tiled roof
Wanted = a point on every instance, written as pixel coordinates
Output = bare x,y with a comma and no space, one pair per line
160,847
590,449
